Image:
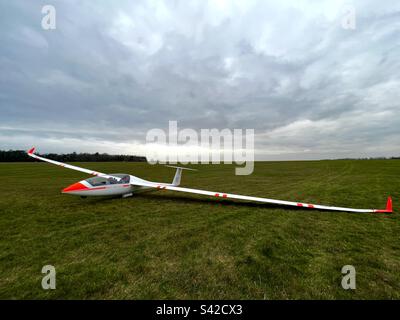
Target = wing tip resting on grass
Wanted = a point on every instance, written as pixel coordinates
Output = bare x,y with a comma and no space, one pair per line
389,207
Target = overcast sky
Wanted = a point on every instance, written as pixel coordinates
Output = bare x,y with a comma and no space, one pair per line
113,70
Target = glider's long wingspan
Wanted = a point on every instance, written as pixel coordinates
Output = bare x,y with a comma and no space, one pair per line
266,200
65,165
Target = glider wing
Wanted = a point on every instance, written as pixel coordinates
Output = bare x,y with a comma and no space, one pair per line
388,208
65,165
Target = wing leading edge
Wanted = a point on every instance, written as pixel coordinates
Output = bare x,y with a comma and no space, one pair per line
68,166
388,208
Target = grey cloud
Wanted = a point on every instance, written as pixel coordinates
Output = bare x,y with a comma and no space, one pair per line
111,71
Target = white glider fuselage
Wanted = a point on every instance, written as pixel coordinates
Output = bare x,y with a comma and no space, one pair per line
101,186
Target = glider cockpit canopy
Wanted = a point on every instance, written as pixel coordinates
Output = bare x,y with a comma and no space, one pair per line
100,181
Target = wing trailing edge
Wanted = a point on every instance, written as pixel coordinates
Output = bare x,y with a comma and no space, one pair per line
302,205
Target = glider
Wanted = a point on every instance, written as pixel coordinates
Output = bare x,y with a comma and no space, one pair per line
125,185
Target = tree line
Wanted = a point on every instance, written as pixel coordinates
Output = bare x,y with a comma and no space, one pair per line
21,156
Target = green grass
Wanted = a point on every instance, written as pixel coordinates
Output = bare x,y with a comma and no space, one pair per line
175,246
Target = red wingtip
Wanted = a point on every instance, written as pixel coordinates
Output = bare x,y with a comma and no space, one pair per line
31,150
389,207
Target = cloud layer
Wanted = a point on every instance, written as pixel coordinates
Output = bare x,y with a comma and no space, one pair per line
111,71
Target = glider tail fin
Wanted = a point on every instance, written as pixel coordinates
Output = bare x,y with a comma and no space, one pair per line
177,178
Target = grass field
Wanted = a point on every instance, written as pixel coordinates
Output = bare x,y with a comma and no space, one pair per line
175,246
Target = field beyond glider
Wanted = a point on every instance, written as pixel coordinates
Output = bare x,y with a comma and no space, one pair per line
165,245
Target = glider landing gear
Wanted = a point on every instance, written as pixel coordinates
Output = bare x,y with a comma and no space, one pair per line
126,195
83,197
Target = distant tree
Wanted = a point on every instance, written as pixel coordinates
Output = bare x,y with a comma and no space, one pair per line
21,156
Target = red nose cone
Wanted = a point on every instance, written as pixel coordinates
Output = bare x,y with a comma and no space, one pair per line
75,187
